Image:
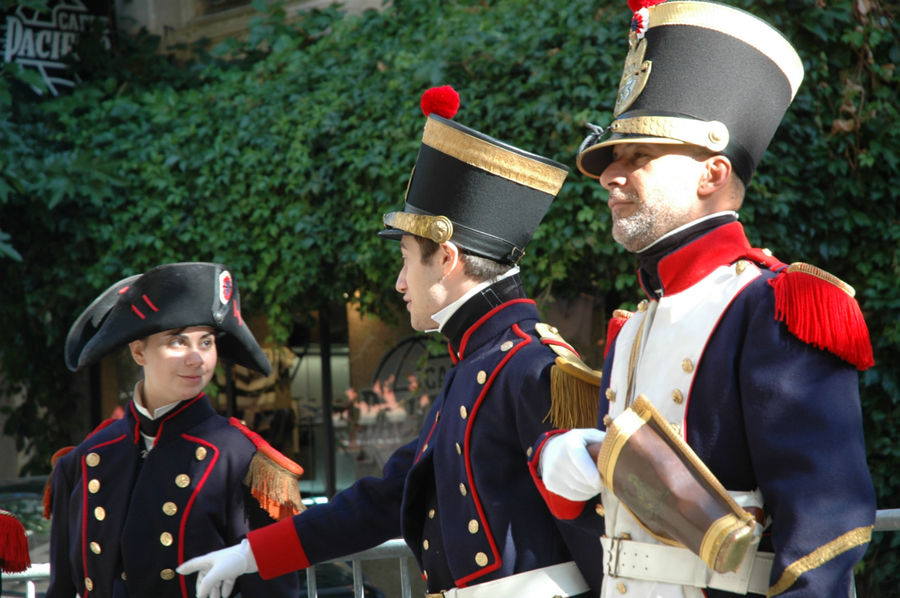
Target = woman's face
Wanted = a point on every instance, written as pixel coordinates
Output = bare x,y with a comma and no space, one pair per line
177,363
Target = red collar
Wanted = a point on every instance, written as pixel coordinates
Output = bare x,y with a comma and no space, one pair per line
690,264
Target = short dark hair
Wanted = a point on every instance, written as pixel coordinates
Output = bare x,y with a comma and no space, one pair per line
479,268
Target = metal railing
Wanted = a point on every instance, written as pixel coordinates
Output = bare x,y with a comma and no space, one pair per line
886,520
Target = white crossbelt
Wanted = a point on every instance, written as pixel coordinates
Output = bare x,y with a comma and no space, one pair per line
680,566
555,581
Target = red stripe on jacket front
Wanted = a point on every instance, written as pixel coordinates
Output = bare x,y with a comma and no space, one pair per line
471,476
190,503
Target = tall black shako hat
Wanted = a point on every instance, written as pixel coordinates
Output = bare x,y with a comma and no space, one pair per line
703,74
167,297
484,195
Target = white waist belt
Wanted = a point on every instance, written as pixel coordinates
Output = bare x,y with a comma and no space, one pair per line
680,566
560,581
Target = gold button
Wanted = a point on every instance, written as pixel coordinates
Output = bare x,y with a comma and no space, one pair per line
88,584
529,452
687,365
167,574
124,577
625,536
740,266
458,448
200,453
169,508
473,526
431,513
95,548
481,377
621,587
182,480
678,396
462,412
94,486
99,513
92,460
553,330
767,251
600,510
643,305
481,559
506,346
462,489
165,539
610,395
425,544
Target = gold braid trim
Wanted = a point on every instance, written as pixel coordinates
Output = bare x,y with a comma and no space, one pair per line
820,556
823,275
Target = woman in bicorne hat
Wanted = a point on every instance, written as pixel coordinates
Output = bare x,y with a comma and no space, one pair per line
171,479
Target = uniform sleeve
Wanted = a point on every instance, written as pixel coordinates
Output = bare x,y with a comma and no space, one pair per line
61,485
795,431
360,517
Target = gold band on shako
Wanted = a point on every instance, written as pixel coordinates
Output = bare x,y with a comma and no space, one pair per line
493,159
712,135
741,25
437,228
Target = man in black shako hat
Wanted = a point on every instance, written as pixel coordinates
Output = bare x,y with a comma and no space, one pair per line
171,479
730,399
461,494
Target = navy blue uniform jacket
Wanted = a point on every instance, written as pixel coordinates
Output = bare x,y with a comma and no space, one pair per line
461,494
123,519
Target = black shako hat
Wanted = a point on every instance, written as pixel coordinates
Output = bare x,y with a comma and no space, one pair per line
167,297
484,195
703,74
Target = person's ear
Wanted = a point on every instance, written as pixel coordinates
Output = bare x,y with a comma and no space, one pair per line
716,175
449,256
137,352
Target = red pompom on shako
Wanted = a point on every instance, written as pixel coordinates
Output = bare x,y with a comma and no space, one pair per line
443,101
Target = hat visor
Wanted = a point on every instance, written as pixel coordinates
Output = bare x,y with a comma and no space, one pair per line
395,234
593,160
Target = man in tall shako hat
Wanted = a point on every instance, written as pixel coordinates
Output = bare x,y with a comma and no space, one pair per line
171,479
461,494
730,398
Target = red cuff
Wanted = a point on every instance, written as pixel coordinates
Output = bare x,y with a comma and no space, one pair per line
561,508
277,549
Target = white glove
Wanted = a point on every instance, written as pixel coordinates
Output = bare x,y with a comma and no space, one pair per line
567,468
217,571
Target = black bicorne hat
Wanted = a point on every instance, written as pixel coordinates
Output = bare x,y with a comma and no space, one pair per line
484,195
164,298
699,73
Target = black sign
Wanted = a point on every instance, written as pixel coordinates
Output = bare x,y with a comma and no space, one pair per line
45,40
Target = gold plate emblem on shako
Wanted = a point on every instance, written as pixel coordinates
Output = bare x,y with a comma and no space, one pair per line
634,76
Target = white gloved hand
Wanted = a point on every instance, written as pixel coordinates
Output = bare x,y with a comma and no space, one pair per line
217,571
566,466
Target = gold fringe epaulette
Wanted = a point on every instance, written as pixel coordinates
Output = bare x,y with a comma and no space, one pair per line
574,386
272,477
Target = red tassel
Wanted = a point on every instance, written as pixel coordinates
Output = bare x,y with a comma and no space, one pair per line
819,309
13,544
618,319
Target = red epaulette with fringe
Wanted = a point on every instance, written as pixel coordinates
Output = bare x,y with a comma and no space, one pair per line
820,309
14,556
272,477
618,319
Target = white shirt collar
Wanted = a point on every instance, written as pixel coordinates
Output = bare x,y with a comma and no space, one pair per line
444,315
684,226
139,403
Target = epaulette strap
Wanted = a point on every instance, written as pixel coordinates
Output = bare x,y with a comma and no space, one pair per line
819,309
574,386
272,477
618,319
47,498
